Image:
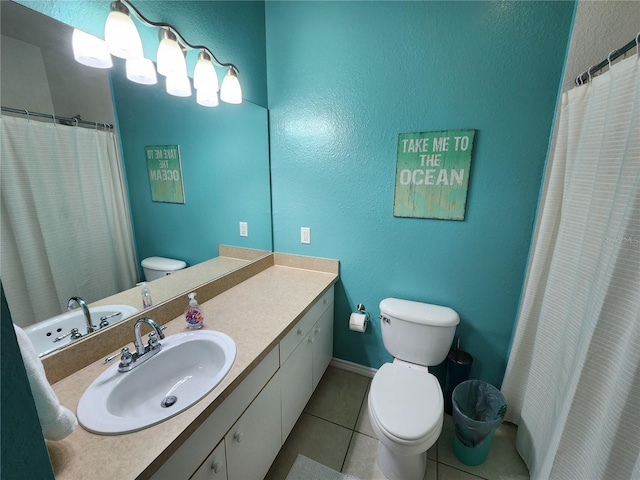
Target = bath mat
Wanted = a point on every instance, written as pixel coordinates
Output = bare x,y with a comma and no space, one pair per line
306,469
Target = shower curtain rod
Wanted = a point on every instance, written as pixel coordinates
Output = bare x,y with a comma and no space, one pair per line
62,120
584,77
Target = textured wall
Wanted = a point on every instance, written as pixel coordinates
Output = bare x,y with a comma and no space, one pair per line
344,79
224,153
599,28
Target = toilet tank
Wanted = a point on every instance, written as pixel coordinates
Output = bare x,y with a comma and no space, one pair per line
417,332
157,267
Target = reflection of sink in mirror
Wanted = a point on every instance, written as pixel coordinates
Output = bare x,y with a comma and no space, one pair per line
188,367
43,335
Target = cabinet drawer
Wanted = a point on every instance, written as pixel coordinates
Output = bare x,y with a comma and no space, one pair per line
303,327
214,467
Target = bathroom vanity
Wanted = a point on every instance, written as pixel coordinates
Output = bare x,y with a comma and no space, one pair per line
281,320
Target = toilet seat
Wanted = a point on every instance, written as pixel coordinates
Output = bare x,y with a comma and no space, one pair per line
406,404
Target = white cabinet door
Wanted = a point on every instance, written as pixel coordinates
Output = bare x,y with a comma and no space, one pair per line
295,377
214,467
322,334
254,441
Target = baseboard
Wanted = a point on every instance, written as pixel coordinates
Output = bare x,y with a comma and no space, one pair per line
353,367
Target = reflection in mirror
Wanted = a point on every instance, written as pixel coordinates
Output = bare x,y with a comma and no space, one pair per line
223,154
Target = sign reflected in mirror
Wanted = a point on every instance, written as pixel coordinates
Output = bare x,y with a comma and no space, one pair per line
224,150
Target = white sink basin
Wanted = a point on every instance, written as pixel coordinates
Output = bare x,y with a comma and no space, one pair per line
43,334
188,367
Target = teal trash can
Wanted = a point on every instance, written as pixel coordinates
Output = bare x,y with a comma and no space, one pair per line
478,409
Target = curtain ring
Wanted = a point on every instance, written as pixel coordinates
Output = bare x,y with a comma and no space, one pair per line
609,59
96,126
28,115
76,122
54,119
638,44
589,73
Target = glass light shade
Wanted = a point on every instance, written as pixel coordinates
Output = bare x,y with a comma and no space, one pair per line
179,85
89,50
207,97
205,76
141,70
170,58
122,36
230,91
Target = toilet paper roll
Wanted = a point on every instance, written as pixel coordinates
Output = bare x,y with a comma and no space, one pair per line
358,322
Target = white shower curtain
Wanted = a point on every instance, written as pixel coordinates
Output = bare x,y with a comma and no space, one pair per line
65,224
573,378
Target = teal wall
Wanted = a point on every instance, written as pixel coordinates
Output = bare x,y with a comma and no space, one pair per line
344,79
224,153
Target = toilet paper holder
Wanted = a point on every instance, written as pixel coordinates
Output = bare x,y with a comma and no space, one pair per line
362,310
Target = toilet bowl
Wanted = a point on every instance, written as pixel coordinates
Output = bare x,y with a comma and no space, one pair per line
406,410
406,405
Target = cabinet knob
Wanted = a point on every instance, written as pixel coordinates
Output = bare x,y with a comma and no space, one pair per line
238,436
299,331
311,339
215,466
318,330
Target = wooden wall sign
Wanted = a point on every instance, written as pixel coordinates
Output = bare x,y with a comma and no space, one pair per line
432,174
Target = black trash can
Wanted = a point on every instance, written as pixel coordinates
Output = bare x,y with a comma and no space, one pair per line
458,368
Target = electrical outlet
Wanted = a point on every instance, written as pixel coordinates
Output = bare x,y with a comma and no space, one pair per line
305,235
244,229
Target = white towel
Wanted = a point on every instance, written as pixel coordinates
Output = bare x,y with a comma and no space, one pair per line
56,421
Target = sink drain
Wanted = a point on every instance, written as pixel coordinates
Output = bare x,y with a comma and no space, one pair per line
168,401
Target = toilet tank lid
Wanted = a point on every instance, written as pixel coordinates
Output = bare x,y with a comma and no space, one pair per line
418,312
163,264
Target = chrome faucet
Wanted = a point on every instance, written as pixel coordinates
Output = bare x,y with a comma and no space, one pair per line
128,360
139,344
85,309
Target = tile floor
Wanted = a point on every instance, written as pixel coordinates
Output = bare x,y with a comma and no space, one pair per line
334,430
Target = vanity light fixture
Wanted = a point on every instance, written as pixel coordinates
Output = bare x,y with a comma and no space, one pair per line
207,97
205,75
141,70
170,58
89,50
123,40
178,85
230,91
121,34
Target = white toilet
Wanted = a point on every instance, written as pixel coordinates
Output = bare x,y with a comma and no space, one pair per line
406,405
158,267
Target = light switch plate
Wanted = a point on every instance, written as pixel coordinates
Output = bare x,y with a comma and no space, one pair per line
244,229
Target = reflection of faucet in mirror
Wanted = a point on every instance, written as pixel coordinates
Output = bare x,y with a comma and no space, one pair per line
85,309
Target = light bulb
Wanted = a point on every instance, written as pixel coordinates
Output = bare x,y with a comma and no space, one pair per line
207,97
179,85
170,58
141,70
89,50
230,91
121,34
204,75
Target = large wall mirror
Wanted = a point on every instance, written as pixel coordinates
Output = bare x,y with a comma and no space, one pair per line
224,151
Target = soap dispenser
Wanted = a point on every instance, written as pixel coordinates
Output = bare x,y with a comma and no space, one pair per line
194,316
146,296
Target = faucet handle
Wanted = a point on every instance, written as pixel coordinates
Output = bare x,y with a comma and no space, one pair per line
125,356
153,341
